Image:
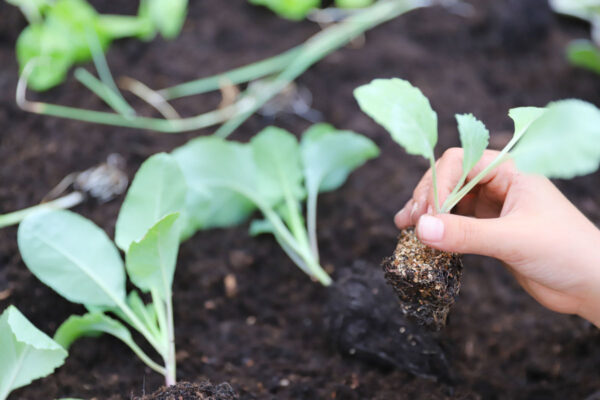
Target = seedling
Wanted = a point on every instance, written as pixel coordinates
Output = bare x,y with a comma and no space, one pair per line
273,173
278,72
27,353
582,52
64,32
561,140
75,258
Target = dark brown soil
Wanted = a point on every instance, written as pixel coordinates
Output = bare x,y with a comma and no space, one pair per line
193,391
269,341
427,281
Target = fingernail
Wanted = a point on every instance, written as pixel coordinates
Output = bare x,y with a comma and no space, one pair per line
429,210
430,229
413,211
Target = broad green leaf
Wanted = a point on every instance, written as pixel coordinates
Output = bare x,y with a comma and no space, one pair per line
329,156
151,261
563,143
158,189
215,171
73,256
26,353
404,111
474,138
291,9
167,16
523,117
277,157
584,54
90,324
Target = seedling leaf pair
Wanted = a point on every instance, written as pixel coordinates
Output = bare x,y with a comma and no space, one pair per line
561,140
27,353
75,258
274,174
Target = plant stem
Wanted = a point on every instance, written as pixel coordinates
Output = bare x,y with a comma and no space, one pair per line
145,359
101,90
122,26
236,76
68,201
311,221
435,184
171,362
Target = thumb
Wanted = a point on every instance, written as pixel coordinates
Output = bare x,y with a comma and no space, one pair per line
465,235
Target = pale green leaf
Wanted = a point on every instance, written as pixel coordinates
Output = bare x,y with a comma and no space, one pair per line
584,54
216,172
91,324
260,227
523,117
73,256
168,16
563,143
329,156
151,261
404,111
26,353
291,9
474,138
158,189
277,157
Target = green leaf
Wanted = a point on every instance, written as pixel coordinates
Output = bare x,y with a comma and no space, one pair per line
329,156
563,142
290,9
404,111
260,227
151,261
91,324
523,117
277,157
214,168
73,256
27,353
158,189
353,3
584,54
167,16
474,138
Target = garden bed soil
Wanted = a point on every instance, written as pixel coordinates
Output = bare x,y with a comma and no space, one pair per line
268,338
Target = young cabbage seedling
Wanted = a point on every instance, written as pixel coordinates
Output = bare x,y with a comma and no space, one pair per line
75,258
582,52
561,140
26,353
273,173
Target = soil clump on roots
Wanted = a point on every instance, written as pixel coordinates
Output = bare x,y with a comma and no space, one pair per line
193,391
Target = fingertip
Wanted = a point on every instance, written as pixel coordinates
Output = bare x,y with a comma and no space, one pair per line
402,217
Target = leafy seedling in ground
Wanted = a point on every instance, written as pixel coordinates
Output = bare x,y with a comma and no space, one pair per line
561,140
75,258
26,352
273,174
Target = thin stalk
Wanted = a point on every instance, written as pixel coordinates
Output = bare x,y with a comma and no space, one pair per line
150,96
122,26
161,315
458,186
311,221
236,76
145,359
68,201
171,364
101,90
137,324
435,184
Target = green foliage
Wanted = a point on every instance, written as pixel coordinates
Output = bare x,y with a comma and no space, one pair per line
353,3
27,353
585,54
60,33
273,173
75,258
290,9
561,140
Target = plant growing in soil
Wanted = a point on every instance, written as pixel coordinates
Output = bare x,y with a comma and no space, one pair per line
582,52
273,173
75,258
66,32
27,353
561,140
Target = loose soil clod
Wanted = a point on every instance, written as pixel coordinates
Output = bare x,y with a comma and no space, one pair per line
426,280
193,391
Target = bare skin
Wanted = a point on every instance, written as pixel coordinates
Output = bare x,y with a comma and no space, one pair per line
523,220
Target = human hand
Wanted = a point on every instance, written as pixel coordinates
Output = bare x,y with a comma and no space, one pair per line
524,221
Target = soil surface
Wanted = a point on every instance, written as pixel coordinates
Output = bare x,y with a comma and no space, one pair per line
268,338
192,391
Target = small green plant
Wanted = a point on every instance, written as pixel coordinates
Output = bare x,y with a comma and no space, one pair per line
62,33
583,52
299,9
75,258
273,173
26,352
561,140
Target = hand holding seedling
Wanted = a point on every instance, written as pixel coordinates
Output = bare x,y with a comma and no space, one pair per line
551,250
